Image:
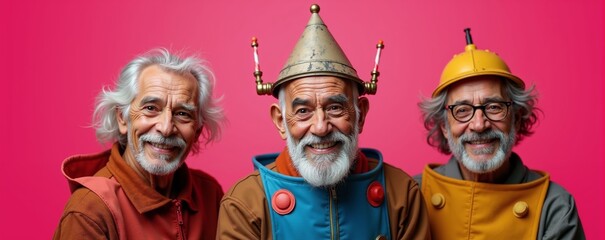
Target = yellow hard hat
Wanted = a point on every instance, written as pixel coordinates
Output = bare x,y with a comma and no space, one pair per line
473,62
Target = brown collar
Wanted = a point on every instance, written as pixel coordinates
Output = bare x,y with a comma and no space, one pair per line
143,196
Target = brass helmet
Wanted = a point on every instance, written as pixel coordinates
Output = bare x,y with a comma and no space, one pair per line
473,62
316,54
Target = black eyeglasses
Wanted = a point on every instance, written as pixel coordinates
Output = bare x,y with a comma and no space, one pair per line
494,111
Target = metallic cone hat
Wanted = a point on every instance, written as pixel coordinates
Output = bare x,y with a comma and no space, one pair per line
317,54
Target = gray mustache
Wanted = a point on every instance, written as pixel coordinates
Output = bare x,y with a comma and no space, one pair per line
491,134
172,141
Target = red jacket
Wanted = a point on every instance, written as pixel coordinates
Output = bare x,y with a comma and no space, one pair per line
109,200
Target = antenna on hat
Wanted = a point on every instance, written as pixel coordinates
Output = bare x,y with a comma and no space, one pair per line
469,38
261,88
372,86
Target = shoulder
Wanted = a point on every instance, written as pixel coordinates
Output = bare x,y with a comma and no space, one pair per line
558,203
246,198
243,210
83,200
251,184
555,191
248,192
86,214
392,171
557,195
394,176
560,218
407,211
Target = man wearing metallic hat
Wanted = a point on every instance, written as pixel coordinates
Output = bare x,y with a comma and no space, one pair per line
141,188
321,186
478,112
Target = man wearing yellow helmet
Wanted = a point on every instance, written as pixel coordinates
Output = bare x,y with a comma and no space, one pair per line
477,113
321,186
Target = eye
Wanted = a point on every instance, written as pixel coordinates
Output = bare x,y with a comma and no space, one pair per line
494,107
150,108
334,109
183,115
303,113
463,110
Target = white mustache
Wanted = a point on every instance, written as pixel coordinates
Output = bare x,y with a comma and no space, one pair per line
333,137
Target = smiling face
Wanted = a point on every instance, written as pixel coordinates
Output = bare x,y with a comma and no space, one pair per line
481,145
320,124
161,124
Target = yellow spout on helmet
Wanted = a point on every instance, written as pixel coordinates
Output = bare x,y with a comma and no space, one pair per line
473,62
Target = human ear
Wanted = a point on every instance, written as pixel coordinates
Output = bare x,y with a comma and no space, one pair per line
444,131
278,120
364,107
122,123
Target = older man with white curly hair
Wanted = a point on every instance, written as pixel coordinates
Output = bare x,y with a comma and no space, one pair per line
141,188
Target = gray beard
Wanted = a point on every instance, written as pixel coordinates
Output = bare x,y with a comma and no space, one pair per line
165,165
324,170
502,152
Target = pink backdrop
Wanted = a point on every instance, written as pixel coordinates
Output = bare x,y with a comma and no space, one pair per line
56,56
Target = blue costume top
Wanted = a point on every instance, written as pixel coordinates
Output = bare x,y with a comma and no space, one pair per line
356,208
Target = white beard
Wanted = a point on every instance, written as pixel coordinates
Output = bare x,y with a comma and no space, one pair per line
165,165
502,153
324,170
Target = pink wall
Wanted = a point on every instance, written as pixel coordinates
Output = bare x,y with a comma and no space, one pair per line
56,56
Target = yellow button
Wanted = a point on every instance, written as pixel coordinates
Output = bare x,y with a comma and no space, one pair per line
381,237
438,200
521,209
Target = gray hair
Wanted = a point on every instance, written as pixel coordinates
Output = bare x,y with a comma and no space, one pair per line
110,101
525,112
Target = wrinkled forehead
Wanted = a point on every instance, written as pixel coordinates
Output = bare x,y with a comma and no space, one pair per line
160,82
475,89
318,86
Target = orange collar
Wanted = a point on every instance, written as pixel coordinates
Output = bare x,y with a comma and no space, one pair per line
285,166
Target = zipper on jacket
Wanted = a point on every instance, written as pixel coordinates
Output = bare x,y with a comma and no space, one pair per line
334,214
179,218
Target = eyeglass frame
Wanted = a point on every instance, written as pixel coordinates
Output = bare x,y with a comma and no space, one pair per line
482,107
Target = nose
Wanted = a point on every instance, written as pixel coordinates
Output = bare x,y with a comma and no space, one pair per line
479,122
320,126
165,126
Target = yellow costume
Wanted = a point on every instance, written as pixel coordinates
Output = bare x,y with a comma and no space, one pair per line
472,210
527,205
